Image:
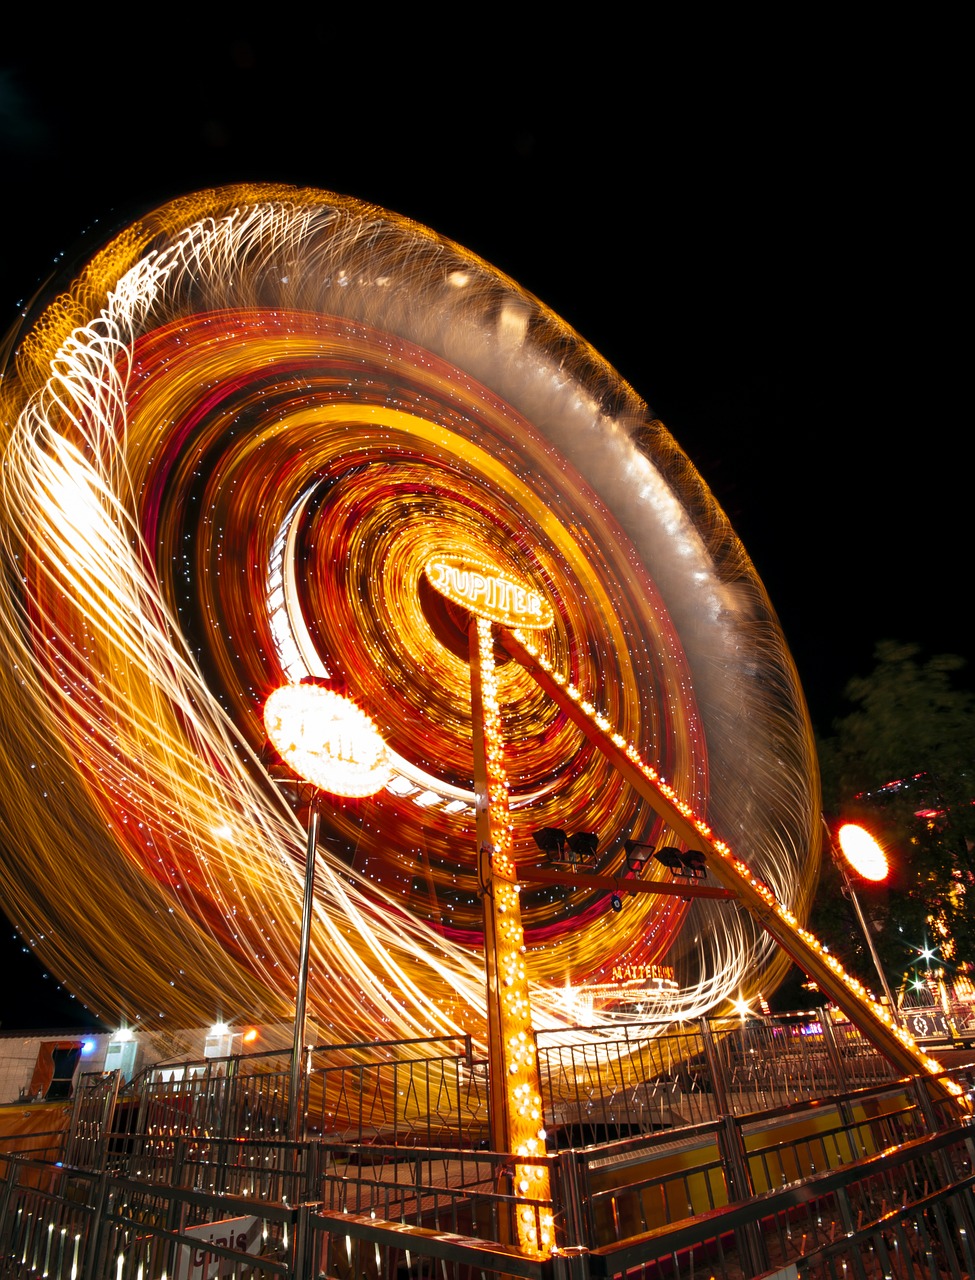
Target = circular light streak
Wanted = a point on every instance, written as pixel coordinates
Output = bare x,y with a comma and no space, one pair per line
862,852
231,447
327,740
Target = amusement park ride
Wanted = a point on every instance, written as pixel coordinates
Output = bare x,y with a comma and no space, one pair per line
276,437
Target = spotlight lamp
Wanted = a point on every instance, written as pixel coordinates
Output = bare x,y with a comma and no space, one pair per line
551,841
694,864
670,858
583,846
690,864
637,855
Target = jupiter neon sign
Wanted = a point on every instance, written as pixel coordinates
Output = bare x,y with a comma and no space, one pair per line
489,592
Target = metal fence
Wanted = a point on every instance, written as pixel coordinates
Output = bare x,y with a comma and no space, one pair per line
672,1149
904,1211
643,1183
69,1224
402,1091
603,1084
421,1091
597,1085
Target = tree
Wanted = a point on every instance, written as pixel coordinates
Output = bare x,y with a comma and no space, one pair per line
902,762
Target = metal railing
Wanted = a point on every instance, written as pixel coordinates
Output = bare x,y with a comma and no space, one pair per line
399,1091
462,1192
421,1091
362,1247
642,1183
597,1085
70,1224
395,1182
904,1212
606,1083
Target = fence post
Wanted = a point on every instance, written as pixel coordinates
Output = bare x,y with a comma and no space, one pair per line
571,1263
302,1261
69,1137
96,1264
833,1049
108,1118
734,1159
179,1161
751,1243
715,1068
11,1167
228,1129
315,1170
926,1107
566,1189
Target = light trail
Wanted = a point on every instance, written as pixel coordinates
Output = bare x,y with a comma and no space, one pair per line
229,449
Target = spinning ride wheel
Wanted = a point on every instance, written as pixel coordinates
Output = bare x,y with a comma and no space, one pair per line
232,448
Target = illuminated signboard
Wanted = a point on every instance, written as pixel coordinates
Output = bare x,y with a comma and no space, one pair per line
643,973
489,592
327,740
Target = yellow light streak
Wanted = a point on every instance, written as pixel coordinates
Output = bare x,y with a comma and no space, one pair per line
258,360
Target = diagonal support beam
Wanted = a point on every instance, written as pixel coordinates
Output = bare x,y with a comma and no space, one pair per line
893,1042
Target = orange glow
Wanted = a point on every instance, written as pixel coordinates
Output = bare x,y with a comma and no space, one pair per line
327,740
862,852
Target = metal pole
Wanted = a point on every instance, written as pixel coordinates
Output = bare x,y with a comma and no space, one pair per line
515,1085
296,1092
497,1064
848,885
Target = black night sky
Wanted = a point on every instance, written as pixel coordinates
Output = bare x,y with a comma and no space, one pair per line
761,229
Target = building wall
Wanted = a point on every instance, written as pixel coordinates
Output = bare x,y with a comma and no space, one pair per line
19,1051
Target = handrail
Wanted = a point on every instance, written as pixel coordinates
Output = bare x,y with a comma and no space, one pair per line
484,1255
674,1236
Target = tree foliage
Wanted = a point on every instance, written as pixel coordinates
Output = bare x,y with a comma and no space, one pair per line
902,762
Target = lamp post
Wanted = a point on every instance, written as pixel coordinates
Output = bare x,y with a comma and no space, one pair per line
295,1091
855,847
330,743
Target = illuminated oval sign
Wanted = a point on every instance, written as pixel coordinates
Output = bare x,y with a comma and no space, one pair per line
489,592
327,740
